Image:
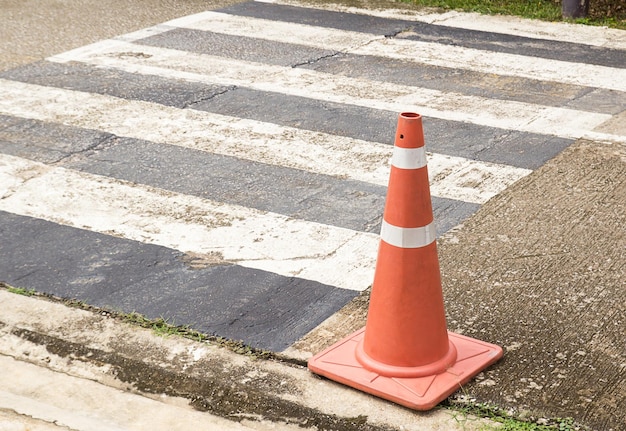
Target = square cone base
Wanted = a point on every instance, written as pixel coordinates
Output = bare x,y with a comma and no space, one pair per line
339,363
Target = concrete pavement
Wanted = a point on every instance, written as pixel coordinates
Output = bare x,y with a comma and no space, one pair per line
32,30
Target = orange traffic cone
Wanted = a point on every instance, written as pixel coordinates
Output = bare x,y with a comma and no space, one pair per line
405,353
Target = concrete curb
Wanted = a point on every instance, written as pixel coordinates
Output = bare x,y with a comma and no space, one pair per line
185,377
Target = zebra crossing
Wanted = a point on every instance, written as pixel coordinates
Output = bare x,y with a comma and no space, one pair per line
227,170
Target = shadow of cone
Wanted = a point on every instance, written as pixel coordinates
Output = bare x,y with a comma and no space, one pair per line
405,353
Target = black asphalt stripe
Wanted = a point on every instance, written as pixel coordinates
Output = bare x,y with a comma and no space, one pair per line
295,193
300,194
46,142
509,147
318,198
475,142
549,49
449,213
319,18
132,86
263,309
600,100
236,47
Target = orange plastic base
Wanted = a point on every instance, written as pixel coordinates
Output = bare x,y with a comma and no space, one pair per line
339,363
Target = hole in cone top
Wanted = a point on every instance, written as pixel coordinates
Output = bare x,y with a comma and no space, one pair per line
410,115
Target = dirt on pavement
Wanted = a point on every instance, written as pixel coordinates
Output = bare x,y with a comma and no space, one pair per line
541,271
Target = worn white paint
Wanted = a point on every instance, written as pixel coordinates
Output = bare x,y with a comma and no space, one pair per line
415,51
505,114
451,177
251,238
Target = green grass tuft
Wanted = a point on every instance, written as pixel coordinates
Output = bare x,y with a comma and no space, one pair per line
18,290
547,10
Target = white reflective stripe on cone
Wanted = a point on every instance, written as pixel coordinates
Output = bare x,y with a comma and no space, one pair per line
408,158
413,237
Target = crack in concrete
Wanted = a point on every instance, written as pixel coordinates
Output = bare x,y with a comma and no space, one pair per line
315,60
210,97
101,143
349,49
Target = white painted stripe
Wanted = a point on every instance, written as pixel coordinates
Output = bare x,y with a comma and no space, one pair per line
415,237
512,115
535,29
408,158
451,177
498,63
250,238
415,51
502,24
